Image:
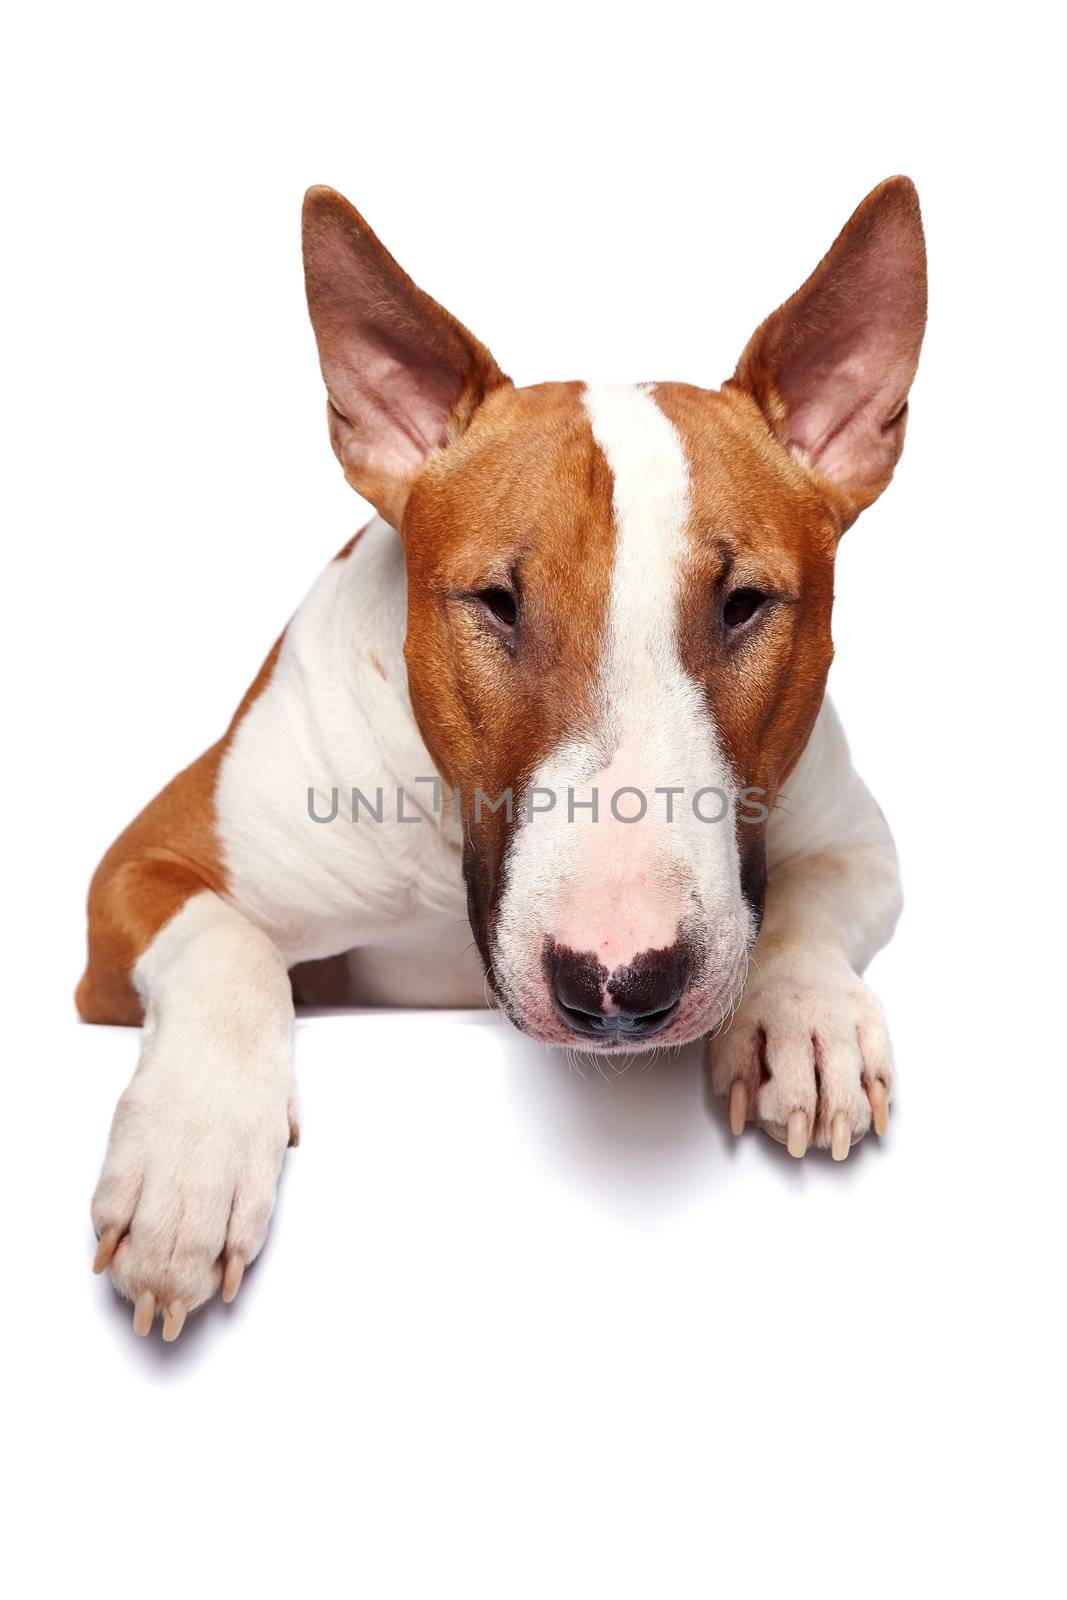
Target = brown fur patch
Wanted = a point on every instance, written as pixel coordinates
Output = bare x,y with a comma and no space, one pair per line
522,501
167,854
757,520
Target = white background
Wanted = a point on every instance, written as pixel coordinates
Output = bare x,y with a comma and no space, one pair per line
516,1333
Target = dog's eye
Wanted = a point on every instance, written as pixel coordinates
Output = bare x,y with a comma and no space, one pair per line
741,606
500,604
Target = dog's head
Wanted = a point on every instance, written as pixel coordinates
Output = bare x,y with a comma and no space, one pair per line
619,607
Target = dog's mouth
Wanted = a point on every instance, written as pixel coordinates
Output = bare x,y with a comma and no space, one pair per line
677,1030
693,1015
620,1029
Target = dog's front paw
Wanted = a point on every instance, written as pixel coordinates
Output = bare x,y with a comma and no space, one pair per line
187,1191
806,1055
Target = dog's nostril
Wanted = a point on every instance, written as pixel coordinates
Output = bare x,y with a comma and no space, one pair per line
649,989
577,985
633,1003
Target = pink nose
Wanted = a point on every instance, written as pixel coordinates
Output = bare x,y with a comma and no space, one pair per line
632,1003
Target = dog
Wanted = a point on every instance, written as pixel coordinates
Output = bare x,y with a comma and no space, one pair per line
581,613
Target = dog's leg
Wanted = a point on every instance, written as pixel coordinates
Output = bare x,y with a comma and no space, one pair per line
197,1141
807,1053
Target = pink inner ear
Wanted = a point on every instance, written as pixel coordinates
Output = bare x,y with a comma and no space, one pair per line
399,401
832,367
392,373
847,375
402,373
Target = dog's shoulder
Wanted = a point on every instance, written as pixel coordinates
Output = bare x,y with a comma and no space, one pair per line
334,717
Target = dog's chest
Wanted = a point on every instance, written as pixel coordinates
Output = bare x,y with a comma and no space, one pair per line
321,868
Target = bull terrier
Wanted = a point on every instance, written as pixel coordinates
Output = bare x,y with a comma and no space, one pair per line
582,614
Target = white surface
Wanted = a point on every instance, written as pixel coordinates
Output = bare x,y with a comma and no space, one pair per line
516,1333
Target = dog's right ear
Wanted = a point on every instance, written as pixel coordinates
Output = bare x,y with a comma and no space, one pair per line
403,376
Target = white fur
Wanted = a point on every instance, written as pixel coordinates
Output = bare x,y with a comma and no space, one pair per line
615,888
198,1137
807,1020
327,719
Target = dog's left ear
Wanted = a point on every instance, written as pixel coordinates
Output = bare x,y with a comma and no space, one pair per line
402,375
831,368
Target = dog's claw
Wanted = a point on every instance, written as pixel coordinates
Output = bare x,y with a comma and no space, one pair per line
106,1247
738,1106
144,1313
174,1320
231,1281
879,1106
840,1137
796,1133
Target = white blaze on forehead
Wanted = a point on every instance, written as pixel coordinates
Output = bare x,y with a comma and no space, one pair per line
651,508
611,887
655,716
659,730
